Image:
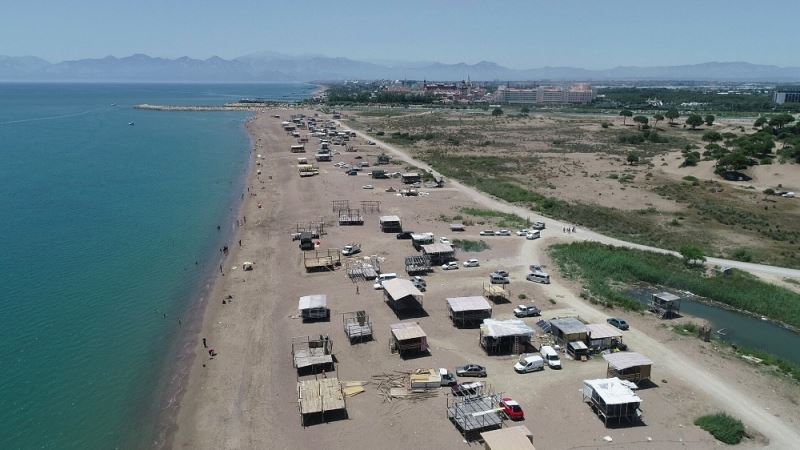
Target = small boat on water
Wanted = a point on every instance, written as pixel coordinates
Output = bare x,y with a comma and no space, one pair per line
130,123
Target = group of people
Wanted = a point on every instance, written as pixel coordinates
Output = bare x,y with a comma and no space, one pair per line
569,229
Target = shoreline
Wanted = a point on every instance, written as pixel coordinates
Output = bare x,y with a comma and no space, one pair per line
175,377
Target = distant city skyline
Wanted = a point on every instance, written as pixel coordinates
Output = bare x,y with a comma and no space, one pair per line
518,34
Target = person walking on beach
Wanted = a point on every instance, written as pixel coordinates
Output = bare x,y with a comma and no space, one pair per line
240,242
205,345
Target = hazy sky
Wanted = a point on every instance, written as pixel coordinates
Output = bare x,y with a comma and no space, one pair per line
518,34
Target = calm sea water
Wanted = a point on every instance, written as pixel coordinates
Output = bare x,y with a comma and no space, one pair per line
101,226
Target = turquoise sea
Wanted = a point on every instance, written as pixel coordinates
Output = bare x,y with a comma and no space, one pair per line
107,232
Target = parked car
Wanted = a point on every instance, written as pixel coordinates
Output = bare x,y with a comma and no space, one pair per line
444,240
533,235
487,233
368,186
383,277
351,249
529,363
448,378
496,278
619,323
471,263
501,272
419,279
452,265
467,388
504,233
522,232
511,409
527,311
404,235
420,287
370,143
538,277
538,226
550,356
471,370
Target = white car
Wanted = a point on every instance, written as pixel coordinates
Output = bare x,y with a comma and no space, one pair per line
504,233
452,265
370,143
533,235
487,233
368,186
444,240
471,263
522,232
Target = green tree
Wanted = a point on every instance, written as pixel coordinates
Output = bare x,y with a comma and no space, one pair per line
733,161
641,120
658,117
694,120
672,114
760,122
497,112
710,119
524,110
780,120
625,114
712,136
692,255
633,158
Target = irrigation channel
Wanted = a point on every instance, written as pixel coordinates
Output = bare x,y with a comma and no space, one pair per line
736,328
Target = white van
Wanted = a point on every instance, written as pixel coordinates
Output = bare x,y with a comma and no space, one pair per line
550,356
538,277
529,363
383,277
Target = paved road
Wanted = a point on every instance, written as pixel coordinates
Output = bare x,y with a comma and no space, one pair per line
488,201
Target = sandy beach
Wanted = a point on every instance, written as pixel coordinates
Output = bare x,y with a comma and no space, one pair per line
245,397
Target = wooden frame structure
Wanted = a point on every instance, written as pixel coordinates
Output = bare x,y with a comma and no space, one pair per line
473,414
496,293
320,396
629,366
357,326
322,260
418,264
312,354
370,206
350,217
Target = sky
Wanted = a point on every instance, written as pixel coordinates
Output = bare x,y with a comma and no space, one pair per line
592,34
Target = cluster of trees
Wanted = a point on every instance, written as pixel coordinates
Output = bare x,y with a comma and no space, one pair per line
636,98
693,120
339,95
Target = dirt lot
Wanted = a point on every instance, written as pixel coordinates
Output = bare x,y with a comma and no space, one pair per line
246,396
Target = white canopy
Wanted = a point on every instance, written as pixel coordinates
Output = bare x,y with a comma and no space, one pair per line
475,303
398,288
313,301
500,328
626,360
612,391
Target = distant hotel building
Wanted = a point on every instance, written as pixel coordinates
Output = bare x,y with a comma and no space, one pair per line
786,95
576,93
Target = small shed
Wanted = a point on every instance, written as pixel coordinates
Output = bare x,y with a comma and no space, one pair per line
410,177
578,350
408,338
568,329
509,438
439,253
602,336
629,366
390,224
402,294
612,399
466,311
312,354
665,305
318,397
420,239
313,307
505,336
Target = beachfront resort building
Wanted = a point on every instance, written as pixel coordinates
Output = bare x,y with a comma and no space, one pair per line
579,93
786,95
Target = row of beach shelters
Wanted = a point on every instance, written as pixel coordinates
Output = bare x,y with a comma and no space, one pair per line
499,337
439,253
408,338
568,329
602,336
468,311
630,366
391,224
401,294
612,399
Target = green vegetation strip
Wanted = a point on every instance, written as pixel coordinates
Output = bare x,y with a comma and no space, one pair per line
599,264
723,427
469,245
507,220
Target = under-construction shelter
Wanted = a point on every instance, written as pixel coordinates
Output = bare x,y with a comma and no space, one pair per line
466,311
420,239
502,337
322,259
665,305
629,366
509,438
390,224
567,329
370,206
419,264
602,336
312,354
313,307
401,294
350,217
612,399
439,253
475,414
408,338
322,398
496,293
357,326
363,268
338,205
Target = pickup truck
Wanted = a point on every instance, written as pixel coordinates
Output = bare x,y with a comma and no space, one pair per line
351,249
448,378
526,311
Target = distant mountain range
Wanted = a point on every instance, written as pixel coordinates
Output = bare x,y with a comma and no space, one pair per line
270,67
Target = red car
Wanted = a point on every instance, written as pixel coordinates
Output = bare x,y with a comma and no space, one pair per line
512,409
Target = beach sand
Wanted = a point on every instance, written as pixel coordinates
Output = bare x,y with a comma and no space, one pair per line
245,397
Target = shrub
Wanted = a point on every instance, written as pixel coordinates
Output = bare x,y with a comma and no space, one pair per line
723,427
